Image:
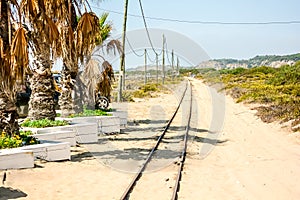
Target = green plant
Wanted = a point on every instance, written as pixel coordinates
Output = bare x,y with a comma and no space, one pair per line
87,112
147,90
277,88
42,123
18,140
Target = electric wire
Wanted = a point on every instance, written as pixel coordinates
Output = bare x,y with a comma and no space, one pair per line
148,56
145,24
133,49
205,22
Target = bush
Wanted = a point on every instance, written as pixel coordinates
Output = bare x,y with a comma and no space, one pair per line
146,90
17,140
87,113
42,123
277,88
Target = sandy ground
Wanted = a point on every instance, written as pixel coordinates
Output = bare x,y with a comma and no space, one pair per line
231,155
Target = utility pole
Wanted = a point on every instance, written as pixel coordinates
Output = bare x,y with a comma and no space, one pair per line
177,67
163,61
156,68
122,59
173,65
145,80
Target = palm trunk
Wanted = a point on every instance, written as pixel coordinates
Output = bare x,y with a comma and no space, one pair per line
41,103
8,115
66,101
70,68
8,109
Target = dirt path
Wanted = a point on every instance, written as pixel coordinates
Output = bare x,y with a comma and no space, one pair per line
257,161
239,158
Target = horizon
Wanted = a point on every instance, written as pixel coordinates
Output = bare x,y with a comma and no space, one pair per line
213,31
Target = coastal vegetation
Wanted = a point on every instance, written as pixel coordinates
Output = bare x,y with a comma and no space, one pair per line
277,90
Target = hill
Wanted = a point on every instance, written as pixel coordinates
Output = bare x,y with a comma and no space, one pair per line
267,60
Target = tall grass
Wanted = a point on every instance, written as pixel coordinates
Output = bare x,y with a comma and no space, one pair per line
277,89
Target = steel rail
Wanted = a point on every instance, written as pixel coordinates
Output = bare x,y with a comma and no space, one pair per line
183,154
129,189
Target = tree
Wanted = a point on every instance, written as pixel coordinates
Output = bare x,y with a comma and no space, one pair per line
78,41
99,78
44,40
13,64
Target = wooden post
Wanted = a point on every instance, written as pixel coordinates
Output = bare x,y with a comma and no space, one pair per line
163,61
122,59
145,78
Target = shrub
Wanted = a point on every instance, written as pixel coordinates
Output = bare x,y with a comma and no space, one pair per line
17,140
146,90
277,88
42,123
87,112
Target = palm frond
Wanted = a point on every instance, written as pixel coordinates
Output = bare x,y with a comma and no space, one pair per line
56,9
30,8
114,45
1,49
108,70
104,29
19,54
87,30
51,29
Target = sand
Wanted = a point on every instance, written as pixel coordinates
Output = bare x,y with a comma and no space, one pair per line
232,154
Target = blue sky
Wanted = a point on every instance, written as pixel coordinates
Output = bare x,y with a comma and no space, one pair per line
218,41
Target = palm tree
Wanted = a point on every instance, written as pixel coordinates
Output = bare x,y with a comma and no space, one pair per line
13,64
54,33
94,36
99,79
78,41
44,40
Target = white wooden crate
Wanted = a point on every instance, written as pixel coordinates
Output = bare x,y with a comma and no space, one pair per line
109,120
123,115
86,132
58,136
16,159
76,132
105,124
84,120
109,124
50,151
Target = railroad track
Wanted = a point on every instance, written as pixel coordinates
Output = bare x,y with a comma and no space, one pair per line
186,98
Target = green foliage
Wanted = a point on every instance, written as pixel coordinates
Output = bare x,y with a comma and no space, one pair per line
232,71
187,71
146,90
277,88
42,123
18,140
257,60
87,113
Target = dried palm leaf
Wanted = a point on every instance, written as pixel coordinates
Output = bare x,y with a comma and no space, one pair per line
51,29
104,84
1,49
90,77
30,7
56,9
108,69
87,31
113,45
19,53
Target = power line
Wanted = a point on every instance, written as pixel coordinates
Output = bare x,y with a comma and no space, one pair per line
145,24
152,61
205,22
133,49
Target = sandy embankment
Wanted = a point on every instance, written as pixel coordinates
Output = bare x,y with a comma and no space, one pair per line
252,160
